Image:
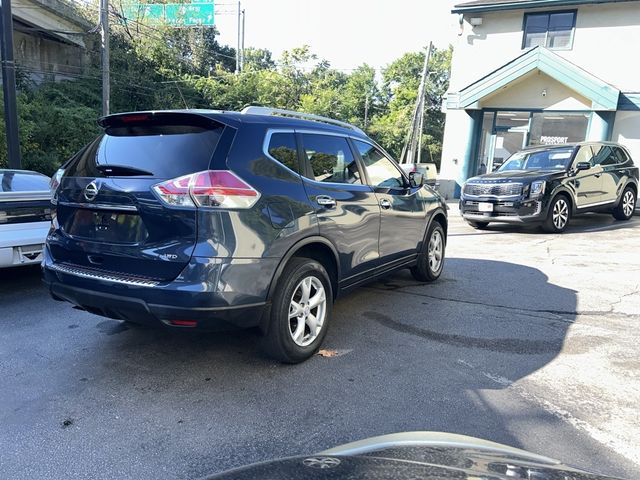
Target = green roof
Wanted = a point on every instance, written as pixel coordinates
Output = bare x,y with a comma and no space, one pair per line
602,95
479,6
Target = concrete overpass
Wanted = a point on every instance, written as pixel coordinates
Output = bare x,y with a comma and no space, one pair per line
51,40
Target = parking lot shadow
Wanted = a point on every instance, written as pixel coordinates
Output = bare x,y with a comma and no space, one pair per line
404,356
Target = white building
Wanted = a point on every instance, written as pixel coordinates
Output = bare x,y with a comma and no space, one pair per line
529,72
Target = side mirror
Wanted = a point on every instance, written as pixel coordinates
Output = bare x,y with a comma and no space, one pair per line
416,179
582,166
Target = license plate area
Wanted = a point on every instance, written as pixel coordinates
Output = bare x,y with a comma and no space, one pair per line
485,207
106,226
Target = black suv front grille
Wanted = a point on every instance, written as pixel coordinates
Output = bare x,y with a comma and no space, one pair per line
494,189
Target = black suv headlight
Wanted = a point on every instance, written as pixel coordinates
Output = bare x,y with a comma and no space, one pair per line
537,189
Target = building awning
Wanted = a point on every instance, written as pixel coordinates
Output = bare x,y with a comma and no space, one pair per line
604,97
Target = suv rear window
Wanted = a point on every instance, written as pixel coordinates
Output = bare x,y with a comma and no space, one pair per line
12,181
166,150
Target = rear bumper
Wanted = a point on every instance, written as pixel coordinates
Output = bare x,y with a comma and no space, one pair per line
137,310
22,243
515,211
200,299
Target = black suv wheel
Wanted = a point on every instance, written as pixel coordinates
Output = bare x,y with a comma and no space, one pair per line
431,259
558,216
300,312
624,209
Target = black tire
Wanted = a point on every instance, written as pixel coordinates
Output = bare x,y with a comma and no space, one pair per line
558,216
627,205
278,341
478,225
428,269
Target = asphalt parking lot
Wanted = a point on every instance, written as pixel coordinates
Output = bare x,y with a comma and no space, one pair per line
528,339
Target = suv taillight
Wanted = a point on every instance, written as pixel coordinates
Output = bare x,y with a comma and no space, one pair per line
54,183
211,188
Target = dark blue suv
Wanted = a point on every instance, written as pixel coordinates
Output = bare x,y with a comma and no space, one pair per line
259,218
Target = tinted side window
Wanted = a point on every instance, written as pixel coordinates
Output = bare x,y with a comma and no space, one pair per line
623,157
381,171
604,155
330,159
282,147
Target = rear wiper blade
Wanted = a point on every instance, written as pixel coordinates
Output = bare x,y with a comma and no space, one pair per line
122,170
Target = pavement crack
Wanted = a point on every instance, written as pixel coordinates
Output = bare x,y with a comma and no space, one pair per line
622,298
505,345
557,314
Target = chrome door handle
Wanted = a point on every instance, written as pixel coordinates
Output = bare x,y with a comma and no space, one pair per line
386,204
326,201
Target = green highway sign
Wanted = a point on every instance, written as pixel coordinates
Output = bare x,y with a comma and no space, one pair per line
176,14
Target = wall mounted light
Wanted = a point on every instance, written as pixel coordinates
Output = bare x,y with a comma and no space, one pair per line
475,21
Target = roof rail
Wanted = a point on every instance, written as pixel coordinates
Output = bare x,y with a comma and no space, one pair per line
255,110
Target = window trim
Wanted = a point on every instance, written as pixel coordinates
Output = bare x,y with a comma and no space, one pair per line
267,141
549,13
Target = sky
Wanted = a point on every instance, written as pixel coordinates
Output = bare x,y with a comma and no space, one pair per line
348,33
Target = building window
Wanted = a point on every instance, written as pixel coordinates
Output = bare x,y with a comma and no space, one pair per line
552,30
552,128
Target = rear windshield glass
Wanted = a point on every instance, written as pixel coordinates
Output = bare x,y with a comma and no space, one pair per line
23,182
164,151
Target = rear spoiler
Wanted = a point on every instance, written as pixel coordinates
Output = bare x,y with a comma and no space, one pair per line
194,119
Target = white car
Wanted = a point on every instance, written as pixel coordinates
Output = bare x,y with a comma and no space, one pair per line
25,216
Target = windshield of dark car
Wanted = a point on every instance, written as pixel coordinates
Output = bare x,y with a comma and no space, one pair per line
552,159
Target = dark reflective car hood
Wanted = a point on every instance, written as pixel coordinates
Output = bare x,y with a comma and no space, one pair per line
413,455
518,176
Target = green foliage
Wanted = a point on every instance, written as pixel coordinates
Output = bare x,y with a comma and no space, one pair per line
401,80
53,126
159,67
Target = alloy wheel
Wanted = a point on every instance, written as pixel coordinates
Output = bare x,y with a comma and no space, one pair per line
434,252
560,213
307,311
628,203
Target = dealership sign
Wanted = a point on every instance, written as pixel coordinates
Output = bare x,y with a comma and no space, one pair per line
553,140
175,14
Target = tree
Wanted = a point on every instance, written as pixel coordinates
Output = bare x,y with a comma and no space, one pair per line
401,81
258,59
156,66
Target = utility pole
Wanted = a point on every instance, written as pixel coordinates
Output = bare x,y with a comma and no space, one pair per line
242,44
366,111
9,85
104,47
239,41
413,141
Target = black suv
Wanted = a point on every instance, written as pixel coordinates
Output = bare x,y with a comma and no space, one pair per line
259,218
549,184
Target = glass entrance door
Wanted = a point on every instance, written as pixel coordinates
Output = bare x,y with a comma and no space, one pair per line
507,142
510,134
